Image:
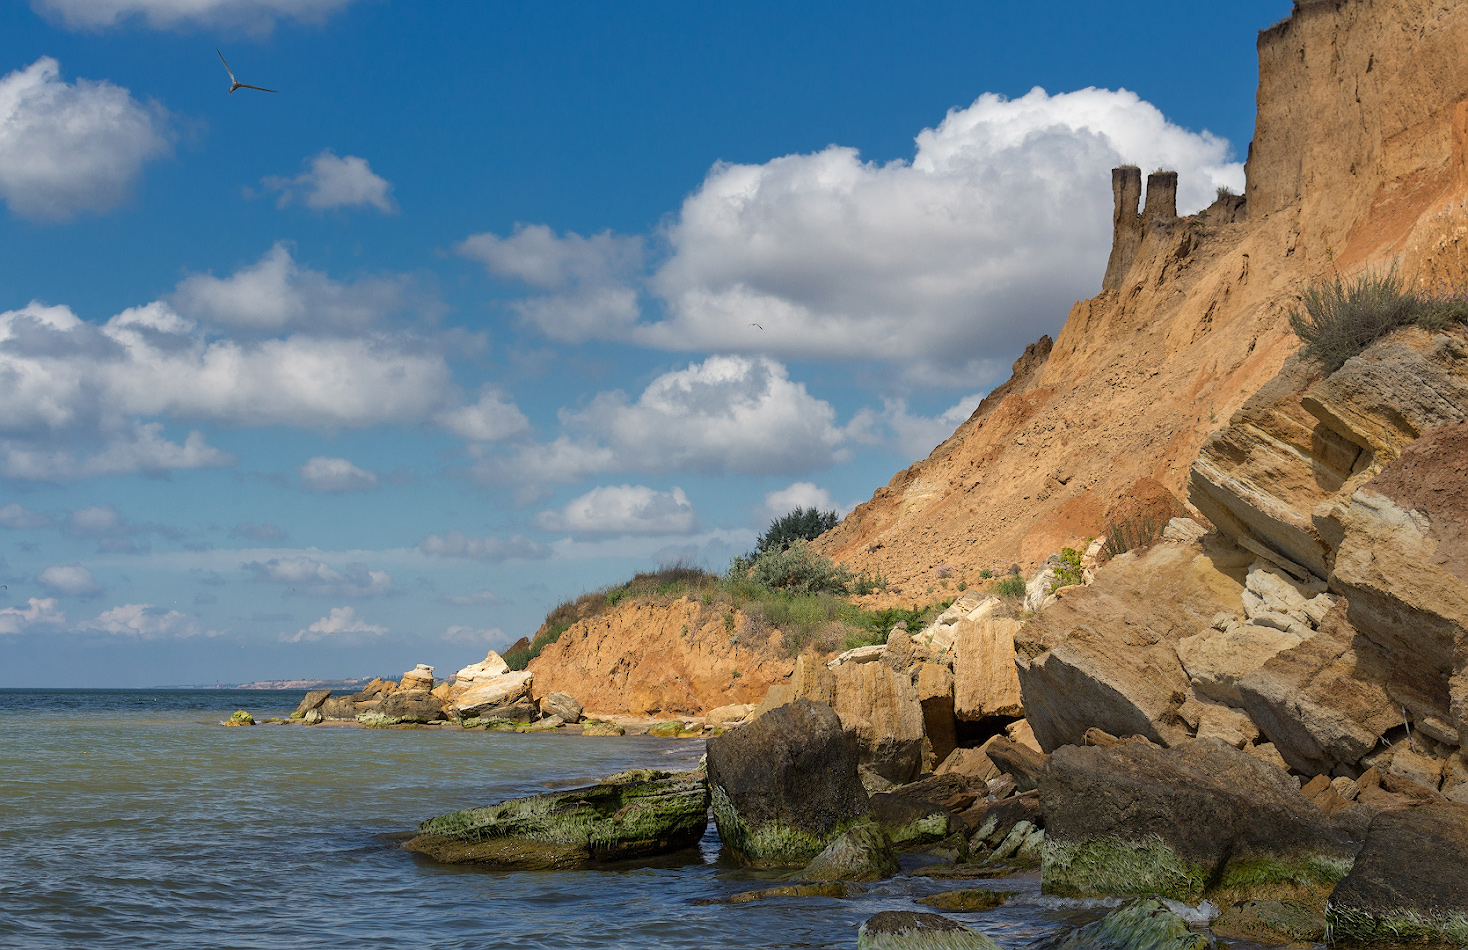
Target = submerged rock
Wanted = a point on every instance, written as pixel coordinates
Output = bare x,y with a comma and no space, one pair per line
785,785
607,822
1182,822
861,854
909,930
1271,922
836,889
1141,925
968,901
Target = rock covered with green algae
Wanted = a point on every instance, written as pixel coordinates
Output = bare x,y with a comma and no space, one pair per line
1141,925
611,821
968,901
1410,881
240,718
909,930
1200,818
785,785
862,853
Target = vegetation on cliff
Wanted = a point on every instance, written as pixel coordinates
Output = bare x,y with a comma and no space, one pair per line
1339,317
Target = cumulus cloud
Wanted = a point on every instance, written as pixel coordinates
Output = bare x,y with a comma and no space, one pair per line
335,475
66,148
340,623
36,612
492,418
456,544
276,294
257,16
19,518
623,509
332,182
782,501
321,579
975,246
586,279
474,635
478,598
726,414
72,580
145,622
913,436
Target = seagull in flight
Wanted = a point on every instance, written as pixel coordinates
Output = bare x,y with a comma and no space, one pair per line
235,83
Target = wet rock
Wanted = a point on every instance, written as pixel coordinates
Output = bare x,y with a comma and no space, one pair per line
1271,922
240,718
598,727
1183,822
839,890
313,700
339,707
863,853
909,930
968,901
785,785
1141,925
908,819
605,822
1410,881
667,730
412,705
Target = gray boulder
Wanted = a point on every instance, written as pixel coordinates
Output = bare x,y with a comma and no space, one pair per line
1141,924
560,704
861,854
785,785
412,705
339,707
313,700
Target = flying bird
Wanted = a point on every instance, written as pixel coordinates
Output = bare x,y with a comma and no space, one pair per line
235,83
756,326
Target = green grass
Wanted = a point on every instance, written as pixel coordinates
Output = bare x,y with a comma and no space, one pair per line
1339,317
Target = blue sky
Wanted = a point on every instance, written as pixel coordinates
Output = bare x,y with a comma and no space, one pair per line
492,304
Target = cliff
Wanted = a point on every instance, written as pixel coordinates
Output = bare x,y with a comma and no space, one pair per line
1359,161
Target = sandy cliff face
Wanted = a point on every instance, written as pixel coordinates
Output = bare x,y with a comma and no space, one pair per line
1360,160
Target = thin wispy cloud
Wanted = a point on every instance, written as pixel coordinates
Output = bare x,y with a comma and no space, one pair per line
331,183
257,16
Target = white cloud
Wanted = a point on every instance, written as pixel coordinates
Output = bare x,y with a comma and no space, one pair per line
264,531
277,294
913,436
456,544
341,622
71,147
726,414
253,15
586,279
478,598
782,501
474,635
975,246
321,579
334,182
492,418
335,475
37,612
19,518
145,622
623,509
69,579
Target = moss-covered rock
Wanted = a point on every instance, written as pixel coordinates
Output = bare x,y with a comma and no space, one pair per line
908,930
863,853
598,727
1141,925
839,890
240,718
1271,922
968,901
605,822
666,730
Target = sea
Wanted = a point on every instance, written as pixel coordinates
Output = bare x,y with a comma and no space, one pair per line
133,819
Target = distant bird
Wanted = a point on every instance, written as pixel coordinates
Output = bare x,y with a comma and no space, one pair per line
756,326
235,83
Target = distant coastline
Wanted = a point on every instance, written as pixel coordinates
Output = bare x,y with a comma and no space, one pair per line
280,684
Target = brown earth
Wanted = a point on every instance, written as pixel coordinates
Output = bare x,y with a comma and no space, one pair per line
647,658
1359,162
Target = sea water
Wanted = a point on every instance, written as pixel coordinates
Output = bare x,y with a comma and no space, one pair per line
132,819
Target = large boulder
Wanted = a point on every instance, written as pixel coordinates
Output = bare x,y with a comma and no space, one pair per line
411,705
477,674
561,704
419,677
502,690
935,695
879,708
607,822
1410,881
785,785
1141,924
985,683
313,700
863,853
339,707
376,689
1183,822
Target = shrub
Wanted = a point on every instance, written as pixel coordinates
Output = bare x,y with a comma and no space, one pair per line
1128,533
802,524
1012,586
1339,317
1069,571
795,568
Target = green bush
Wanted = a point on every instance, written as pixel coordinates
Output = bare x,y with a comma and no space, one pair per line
802,524
1069,571
1011,586
1339,317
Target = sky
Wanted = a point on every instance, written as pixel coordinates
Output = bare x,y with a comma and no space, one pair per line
492,304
